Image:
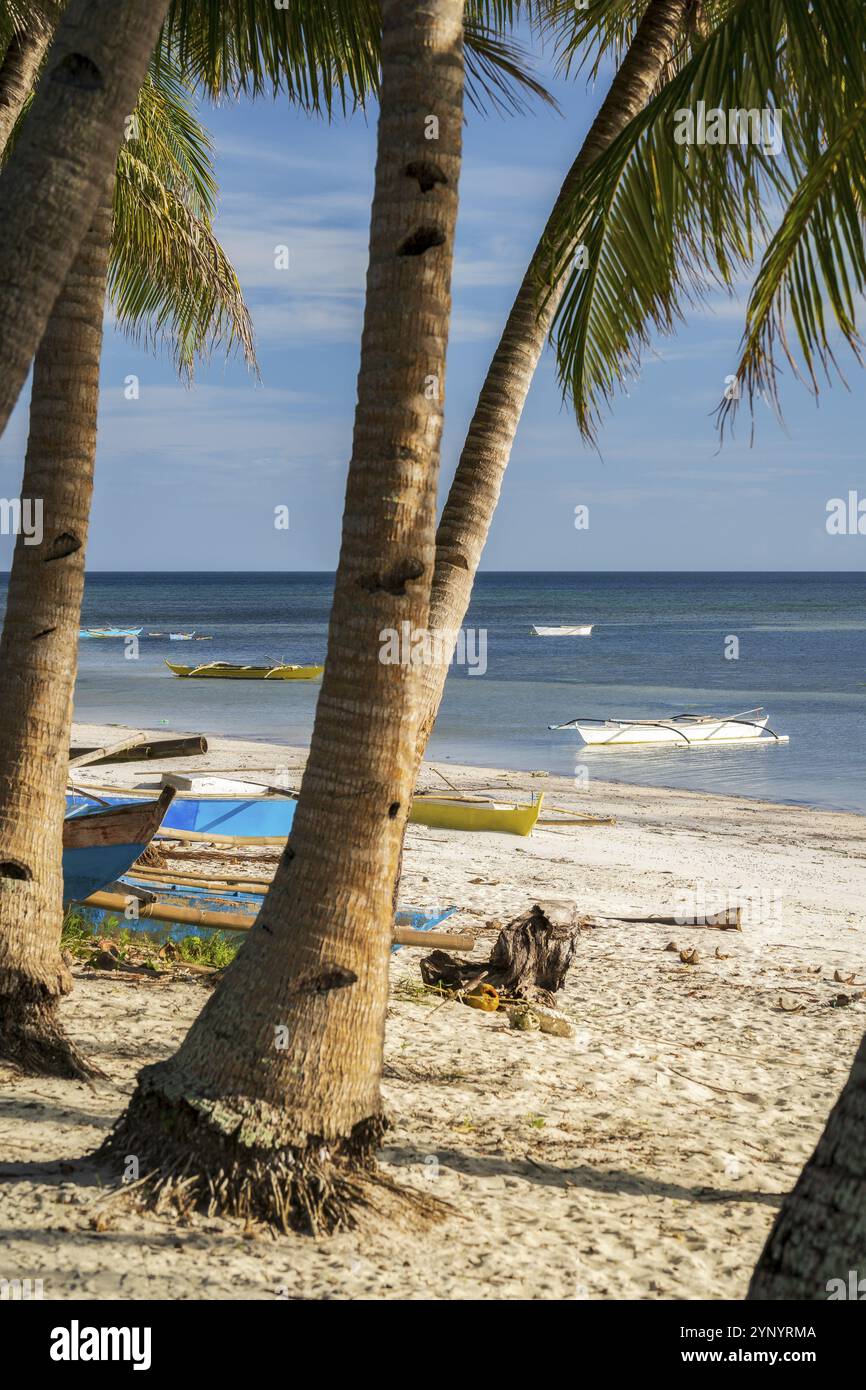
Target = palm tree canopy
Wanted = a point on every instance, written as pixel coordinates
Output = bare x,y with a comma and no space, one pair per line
324,54
661,222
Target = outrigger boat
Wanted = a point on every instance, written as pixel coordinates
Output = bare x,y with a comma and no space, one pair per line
583,631
109,631
469,813
222,809
100,845
226,670
681,730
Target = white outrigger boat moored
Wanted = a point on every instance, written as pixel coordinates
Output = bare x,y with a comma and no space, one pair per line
681,730
582,631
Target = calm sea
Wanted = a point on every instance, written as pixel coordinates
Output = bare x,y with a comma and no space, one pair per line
658,646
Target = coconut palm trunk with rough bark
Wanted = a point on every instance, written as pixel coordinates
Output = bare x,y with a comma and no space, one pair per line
818,1240
38,654
271,1108
61,164
474,491
18,70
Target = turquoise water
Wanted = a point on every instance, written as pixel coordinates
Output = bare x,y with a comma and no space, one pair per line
658,647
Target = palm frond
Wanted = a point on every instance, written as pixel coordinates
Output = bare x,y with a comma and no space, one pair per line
600,32
499,74
324,54
817,254
170,282
166,132
662,222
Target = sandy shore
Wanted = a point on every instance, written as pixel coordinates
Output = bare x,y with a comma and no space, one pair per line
645,1158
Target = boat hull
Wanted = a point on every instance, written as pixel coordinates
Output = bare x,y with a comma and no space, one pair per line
246,673
615,735
469,815
206,817
268,818
583,631
100,845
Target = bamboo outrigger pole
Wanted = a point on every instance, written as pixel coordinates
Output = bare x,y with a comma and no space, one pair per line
198,917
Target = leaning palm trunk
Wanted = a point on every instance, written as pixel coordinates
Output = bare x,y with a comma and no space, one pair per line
18,70
38,658
817,1247
272,1107
474,491
61,164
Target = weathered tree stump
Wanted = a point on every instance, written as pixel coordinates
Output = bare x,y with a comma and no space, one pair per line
530,960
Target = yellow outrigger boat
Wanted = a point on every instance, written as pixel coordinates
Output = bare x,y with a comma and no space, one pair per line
469,813
225,670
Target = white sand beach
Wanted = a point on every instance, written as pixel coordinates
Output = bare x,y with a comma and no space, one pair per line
644,1158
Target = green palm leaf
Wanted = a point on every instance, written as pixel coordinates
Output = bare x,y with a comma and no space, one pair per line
324,54
170,282
817,254
663,222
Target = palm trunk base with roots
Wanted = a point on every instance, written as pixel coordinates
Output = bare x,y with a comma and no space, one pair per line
231,1158
33,1039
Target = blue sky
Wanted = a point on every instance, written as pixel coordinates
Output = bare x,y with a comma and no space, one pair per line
190,479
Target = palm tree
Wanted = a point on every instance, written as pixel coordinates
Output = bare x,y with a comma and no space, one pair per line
152,245
271,1107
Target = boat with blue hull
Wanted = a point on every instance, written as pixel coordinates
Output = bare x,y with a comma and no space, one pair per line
101,844
266,819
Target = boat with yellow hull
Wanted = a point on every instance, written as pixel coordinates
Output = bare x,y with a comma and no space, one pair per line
466,813
225,670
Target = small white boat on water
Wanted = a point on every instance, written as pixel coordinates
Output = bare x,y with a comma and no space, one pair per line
680,730
583,631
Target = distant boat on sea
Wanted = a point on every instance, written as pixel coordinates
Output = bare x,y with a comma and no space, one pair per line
681,730
109,632
579,631
227,670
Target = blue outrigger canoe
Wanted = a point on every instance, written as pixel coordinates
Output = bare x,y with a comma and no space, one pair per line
99,846
206,817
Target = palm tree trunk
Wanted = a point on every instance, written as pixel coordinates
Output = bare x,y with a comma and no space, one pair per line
38,655
817,1247
272,1107
61,164
18,72
474,491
